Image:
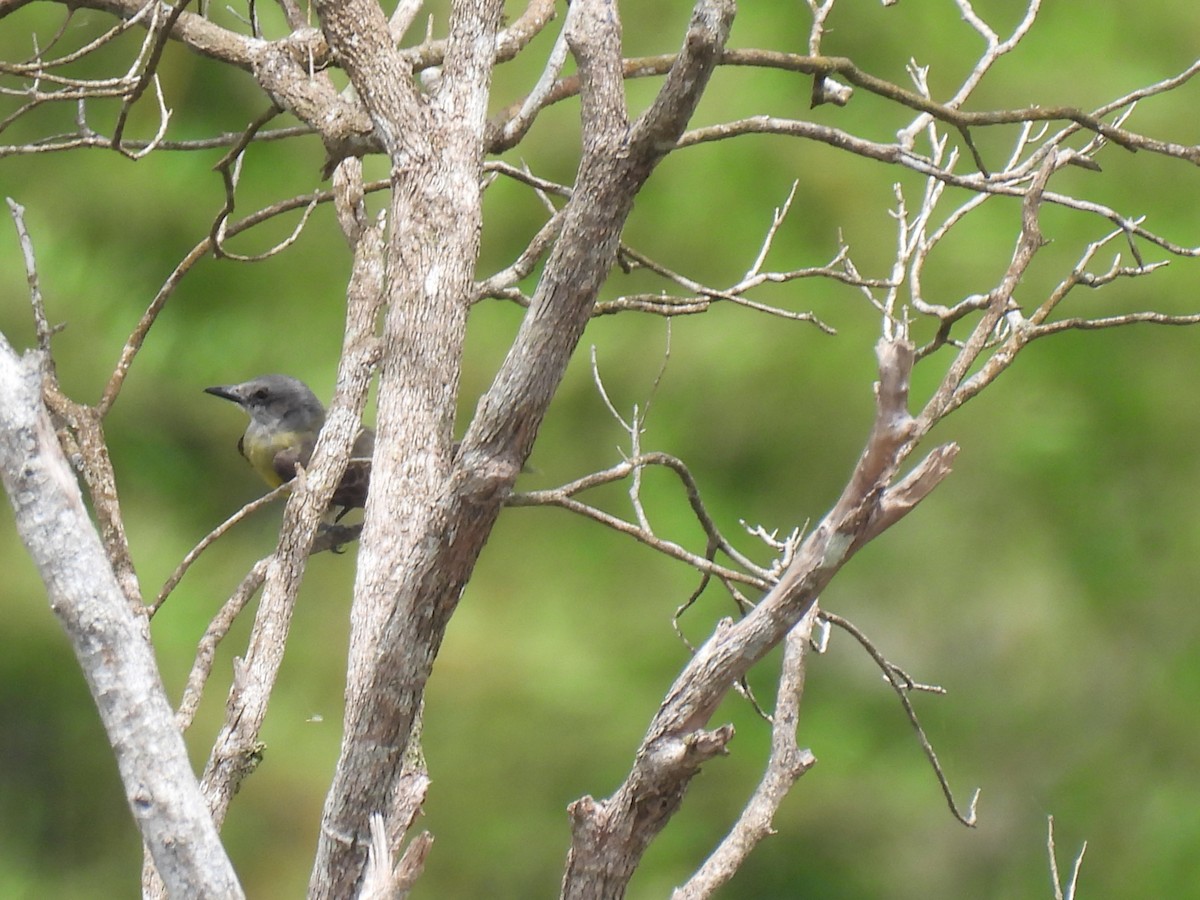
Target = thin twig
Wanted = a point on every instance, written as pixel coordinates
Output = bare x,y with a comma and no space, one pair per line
229,167
250,508
563,497
133,343
217,629
149,74
36,301
902,684
517,126
1059,893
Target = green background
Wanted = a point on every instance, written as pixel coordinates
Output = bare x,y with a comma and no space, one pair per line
1049,584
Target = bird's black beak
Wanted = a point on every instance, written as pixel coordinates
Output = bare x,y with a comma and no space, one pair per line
225,392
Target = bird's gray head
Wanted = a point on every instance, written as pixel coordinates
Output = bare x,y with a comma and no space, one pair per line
275,401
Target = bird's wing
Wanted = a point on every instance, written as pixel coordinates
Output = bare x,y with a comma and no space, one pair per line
352,490
285,461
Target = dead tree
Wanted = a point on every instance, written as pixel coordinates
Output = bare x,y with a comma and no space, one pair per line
425,104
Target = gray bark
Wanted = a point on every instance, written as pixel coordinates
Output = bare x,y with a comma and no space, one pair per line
110,638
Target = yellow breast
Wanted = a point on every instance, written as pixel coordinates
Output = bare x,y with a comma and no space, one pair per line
261,450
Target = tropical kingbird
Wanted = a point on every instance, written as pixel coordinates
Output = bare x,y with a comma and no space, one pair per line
285,419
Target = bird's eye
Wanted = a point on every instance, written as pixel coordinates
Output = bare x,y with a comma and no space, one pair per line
260,394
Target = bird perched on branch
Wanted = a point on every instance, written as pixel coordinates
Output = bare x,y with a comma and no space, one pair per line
285,419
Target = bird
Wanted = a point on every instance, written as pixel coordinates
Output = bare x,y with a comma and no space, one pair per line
285,419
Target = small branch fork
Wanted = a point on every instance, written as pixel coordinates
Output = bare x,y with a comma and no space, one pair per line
1059,892
785,765
44,86
564,498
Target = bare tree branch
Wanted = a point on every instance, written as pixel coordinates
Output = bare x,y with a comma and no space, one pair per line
109,638
609,837
401,637
248,699
423,334
786,764
80,433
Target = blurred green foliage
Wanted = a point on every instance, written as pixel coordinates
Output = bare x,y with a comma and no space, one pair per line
1049,584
